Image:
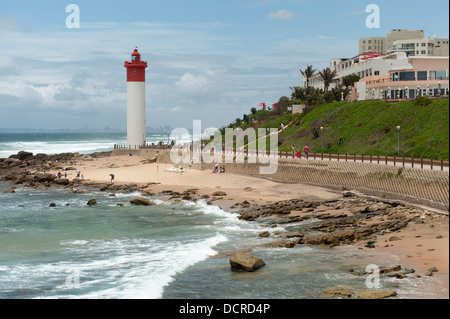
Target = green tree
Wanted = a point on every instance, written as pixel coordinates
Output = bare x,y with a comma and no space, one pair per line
328,77
253,110
308,73
283,104
349,80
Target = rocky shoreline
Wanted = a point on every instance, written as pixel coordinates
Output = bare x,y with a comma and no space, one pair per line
351,219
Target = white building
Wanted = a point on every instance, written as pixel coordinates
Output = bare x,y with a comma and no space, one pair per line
363,65
380,55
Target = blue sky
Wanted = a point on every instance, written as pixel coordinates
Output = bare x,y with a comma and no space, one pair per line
209,60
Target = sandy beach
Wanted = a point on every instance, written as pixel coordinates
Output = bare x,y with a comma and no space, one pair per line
419,246
130,169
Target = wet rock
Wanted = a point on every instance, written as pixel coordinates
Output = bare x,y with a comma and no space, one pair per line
431,271
91,202
52,205
390,269
219,193
246,262
141,201
377,294
62,181
245,204
42,178
264,234
338,291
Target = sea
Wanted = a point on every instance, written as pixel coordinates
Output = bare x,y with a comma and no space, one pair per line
171,250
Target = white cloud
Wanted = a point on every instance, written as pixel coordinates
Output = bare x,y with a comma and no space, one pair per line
193,84
281,15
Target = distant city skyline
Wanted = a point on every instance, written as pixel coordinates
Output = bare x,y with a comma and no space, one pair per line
208,60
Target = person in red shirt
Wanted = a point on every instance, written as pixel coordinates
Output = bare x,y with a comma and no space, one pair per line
306,150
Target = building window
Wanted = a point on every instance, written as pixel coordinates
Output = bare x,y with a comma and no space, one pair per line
423,52
421,75
432,75
441,75
134,71
424,44
407,76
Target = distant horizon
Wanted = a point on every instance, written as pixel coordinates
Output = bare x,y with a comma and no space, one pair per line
149,130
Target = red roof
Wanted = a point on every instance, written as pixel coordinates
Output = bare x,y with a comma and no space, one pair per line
135,52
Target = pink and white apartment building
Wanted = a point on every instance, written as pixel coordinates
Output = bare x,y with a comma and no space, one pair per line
419,76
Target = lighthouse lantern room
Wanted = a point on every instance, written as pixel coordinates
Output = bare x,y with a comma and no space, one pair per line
135,100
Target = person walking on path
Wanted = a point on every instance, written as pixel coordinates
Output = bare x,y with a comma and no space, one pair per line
306,150
293,150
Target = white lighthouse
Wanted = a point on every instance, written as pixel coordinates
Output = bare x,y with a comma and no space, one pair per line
135,100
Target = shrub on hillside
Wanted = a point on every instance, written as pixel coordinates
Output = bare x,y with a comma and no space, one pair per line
422,101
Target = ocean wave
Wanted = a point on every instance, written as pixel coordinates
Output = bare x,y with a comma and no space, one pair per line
113,269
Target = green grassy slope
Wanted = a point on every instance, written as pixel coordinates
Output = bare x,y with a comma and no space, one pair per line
369,127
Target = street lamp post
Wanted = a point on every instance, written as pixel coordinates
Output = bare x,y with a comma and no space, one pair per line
398,140
321,134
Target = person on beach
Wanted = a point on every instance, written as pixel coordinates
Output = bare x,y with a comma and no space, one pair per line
112,178
293,150
306,150
78,173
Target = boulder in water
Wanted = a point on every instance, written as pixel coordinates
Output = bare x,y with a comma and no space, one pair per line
141,201
246,262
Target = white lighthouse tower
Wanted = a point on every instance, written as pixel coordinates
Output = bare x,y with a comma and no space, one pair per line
135,100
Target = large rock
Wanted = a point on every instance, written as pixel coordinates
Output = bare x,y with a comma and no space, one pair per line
42,178
219,193
141,201
246,262
22,155
377,294
338,291
62,181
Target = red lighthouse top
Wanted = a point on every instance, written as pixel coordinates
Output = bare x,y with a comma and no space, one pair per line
135,68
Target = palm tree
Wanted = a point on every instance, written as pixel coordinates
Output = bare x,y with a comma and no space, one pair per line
328,77
308,73
349,80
